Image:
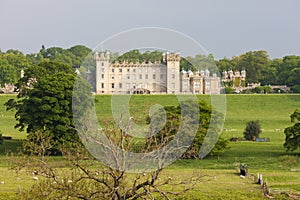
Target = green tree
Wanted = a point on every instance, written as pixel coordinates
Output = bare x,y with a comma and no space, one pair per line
272,75
285,70
11,64
46,103
165,135
252,130
292,133
256,64
8,73
225,64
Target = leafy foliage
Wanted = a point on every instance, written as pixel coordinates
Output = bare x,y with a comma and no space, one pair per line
292,133
173,113
252,130
45,101
260,69
136,55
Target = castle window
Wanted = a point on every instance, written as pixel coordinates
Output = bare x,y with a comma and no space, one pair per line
112,77
133,70
161,76
146,76
153,76
185,85
128,70
112,85
128,77
141,76
120,70
120,85
197,84
112,70
173,75
102,64
102,85
102,75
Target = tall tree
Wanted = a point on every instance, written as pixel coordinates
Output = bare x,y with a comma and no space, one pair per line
292,133
45,101
256,64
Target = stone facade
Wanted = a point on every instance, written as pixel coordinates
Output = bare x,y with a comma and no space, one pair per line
151,78
236,78
200,82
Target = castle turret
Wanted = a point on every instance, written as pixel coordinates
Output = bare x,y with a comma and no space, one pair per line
22,73
102,65
173,67
230,74
237,74
243,73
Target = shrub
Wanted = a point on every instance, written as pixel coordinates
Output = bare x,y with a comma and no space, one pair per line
252,130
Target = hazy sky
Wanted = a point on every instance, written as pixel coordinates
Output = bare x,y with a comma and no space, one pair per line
222,27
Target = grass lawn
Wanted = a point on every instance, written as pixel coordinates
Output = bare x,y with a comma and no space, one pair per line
279,168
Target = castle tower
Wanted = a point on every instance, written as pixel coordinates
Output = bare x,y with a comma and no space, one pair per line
102,70
173,76
197,83
231,75
243,74
185,82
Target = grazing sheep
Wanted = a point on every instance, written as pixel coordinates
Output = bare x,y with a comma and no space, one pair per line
35,178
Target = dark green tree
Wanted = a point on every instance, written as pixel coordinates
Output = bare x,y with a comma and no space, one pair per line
8,73
173,114
225,64
256,64
285,69
292,133
45,101
252,130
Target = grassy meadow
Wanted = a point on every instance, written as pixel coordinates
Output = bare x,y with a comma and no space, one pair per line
280,169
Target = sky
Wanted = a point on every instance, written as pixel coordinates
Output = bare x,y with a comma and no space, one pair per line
222,27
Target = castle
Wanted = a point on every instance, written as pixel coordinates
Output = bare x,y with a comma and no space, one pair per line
236,80
159,77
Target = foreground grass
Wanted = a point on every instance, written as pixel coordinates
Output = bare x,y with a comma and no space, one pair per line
214,184
279,168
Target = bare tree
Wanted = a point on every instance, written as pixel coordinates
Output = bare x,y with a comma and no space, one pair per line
83,177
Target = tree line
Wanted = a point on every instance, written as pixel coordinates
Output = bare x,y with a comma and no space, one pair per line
259,67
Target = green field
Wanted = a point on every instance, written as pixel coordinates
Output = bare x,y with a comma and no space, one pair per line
280,168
